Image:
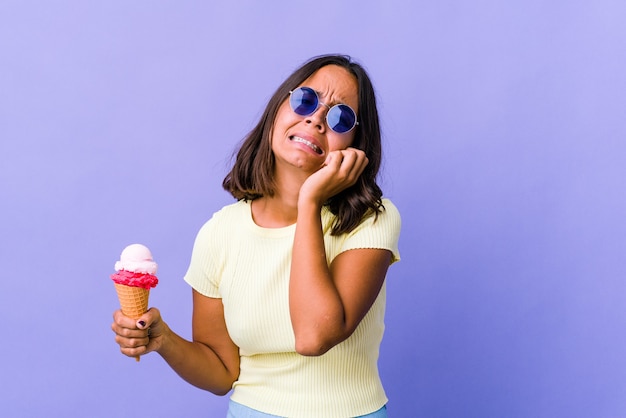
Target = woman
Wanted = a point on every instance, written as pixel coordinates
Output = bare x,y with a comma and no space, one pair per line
288,283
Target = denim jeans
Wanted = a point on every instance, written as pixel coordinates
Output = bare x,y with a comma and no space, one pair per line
236,410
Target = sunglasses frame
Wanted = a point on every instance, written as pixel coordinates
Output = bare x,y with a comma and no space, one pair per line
319,102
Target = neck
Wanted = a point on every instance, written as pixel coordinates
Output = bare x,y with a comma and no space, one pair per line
281,209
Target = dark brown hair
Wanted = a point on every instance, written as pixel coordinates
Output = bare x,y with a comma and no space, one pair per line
252,174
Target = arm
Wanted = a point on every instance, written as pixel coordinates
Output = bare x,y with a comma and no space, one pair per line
328,303
210,361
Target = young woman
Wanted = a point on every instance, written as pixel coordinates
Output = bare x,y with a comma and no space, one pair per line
288,282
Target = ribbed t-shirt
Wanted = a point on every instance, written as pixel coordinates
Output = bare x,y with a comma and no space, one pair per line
248,267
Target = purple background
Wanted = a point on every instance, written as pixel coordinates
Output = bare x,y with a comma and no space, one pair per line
505,143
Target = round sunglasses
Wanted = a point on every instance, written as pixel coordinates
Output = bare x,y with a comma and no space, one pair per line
304,101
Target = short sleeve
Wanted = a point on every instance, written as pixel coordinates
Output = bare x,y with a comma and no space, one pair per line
203,272
381,232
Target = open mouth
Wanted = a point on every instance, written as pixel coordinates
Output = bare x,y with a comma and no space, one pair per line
309,144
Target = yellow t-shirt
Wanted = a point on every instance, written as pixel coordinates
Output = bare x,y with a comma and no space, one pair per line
247,266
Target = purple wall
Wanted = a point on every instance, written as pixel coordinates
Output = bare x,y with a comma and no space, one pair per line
505,145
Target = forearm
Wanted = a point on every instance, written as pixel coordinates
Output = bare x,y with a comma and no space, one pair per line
198,364
316,309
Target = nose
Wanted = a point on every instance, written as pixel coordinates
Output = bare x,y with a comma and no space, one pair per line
318,118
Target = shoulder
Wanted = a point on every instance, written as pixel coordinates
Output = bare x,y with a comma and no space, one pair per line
237,209
215,231
387,219
376,230
222,221
229,213
380,230
390,210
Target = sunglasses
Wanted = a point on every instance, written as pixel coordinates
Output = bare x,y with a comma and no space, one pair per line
340,118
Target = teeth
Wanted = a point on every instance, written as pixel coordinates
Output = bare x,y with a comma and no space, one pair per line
307,143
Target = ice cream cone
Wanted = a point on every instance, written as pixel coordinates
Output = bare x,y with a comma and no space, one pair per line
133,301
134,277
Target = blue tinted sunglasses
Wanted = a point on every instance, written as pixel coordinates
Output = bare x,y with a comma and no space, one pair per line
340,117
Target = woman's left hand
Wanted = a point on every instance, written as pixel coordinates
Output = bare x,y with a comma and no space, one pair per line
341,170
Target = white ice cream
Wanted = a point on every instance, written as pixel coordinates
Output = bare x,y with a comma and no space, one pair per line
138,259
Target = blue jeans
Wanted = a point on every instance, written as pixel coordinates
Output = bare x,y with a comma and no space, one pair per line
237,410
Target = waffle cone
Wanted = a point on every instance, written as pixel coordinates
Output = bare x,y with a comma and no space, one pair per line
133,300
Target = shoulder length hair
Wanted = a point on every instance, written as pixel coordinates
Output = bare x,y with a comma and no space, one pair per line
252,177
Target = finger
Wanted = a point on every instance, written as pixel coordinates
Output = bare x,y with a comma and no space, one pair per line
122,320
361,161
354,161
334,160
134,351
150,319
349,156
128,333
126,327
133,342
359,154
362,164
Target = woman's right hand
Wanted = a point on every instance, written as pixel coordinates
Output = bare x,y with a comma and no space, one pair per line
210,361
137,337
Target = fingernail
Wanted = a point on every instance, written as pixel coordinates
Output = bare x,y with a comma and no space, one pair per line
142,323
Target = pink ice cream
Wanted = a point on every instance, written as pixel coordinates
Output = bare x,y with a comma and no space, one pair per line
136,268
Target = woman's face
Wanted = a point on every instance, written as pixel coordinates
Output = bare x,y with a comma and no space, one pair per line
305,141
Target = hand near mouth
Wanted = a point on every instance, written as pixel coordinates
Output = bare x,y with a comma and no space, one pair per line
341,170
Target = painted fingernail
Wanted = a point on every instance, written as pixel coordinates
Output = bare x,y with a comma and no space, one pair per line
142,323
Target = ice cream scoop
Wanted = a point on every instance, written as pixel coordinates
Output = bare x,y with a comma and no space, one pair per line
138,259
